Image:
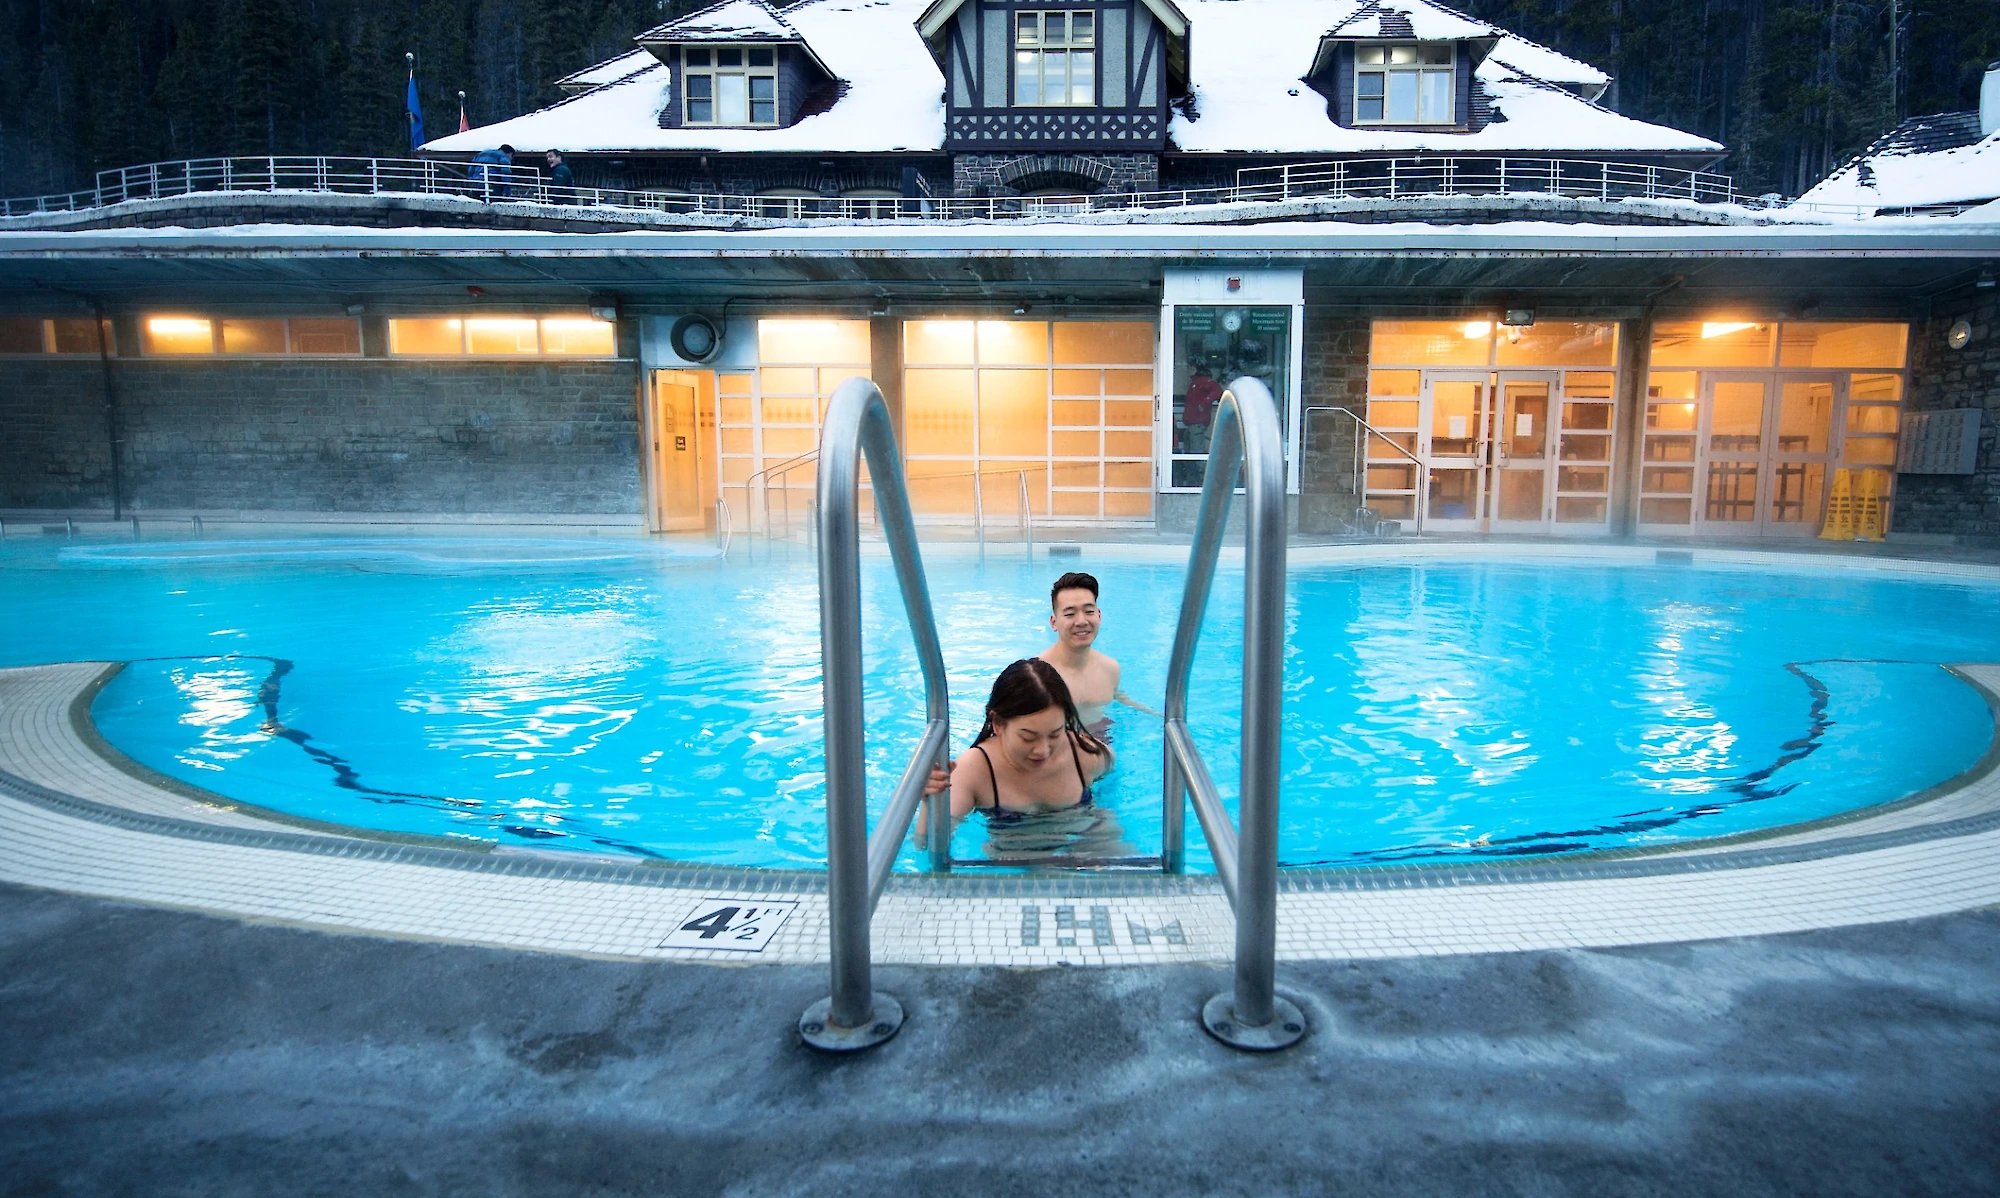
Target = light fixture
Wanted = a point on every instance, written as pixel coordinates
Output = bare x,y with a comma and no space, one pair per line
604,307
356,307
1960,334
475,291
1722,328
1518,317
694,338
1023,308
1475,329
880,308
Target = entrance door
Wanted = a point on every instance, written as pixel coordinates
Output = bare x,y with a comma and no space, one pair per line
682,461
1769,452
1454,449
1524,453
1490,450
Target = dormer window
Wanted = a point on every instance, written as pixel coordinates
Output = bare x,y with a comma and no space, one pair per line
729,85
1410,83
1055,59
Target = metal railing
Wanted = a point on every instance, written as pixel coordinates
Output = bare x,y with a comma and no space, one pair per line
1246,438
1387,178
855,1017
1365,436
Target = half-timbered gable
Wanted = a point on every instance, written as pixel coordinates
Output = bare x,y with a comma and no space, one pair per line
1041,75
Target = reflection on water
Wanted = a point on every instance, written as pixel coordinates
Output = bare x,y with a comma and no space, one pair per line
623,699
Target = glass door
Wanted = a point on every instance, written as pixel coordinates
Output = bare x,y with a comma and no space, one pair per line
1768,453
1523,452
1454,446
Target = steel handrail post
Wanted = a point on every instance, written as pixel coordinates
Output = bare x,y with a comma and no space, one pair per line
1027,517
857,423
1246,440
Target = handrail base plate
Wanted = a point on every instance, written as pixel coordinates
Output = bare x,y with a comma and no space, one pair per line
1287,1026
822,1033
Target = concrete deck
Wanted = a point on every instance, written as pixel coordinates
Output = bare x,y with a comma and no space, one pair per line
163,1053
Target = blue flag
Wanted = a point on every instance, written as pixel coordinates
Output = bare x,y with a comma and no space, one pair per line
416,115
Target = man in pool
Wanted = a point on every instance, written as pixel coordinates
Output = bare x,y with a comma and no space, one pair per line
1092,676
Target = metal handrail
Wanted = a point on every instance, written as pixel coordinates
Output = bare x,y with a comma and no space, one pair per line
726,523
1390,178
855,1017
1246,438
1361,459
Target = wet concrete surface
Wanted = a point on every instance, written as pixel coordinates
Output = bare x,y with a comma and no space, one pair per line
153,1052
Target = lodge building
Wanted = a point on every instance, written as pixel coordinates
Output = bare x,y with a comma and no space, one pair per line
1167,195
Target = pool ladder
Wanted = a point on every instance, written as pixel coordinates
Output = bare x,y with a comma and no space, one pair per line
1245,441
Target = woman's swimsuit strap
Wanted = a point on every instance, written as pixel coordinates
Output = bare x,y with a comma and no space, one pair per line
996,811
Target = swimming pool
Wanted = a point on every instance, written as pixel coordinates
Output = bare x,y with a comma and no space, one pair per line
627,697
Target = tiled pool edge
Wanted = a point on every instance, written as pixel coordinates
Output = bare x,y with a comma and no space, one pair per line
538,901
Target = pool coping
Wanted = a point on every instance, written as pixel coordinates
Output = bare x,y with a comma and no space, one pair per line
231,860
304,834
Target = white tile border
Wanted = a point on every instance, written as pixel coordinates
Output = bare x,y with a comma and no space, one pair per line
178,852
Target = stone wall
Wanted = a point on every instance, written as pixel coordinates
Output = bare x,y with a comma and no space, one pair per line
1015,174
1335,373
1942,378
362,435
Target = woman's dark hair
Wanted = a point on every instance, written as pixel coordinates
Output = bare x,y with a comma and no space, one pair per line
1028,686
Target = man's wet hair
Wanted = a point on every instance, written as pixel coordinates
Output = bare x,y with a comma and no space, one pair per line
1074,580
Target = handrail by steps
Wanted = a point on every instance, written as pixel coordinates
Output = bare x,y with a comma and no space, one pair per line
1361,458
855,1016
1246,438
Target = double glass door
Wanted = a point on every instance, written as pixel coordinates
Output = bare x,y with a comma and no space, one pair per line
1501,451
1769,452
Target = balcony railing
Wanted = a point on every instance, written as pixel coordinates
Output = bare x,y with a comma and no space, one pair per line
1368,179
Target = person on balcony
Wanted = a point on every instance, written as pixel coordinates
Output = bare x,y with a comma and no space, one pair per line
481,172
562,182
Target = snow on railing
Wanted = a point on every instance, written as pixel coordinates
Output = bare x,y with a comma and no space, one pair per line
1356,178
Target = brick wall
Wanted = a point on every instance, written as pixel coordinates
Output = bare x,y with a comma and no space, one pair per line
1336,372
366,435
1011,174
1943,378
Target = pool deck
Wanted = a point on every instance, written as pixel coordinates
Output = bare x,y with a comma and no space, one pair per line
77,817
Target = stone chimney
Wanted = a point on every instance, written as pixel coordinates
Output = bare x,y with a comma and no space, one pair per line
1989,101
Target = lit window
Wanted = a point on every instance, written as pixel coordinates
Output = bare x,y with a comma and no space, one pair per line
253,337
729,85
501,336
1408,84
339,335
78,335
579,336
178,335
1055,59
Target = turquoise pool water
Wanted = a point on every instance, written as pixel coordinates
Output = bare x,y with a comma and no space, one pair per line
626,697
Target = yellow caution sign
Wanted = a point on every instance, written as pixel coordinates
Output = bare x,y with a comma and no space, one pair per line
1868,507
1840,509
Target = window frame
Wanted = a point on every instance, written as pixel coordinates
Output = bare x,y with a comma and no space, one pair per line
1384,71
715,69
465,352
1040,47
216,348
46,327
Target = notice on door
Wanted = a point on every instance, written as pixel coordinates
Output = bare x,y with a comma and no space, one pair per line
1524,424
1456,425
743,925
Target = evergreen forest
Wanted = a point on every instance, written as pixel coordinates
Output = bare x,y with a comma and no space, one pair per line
1792,87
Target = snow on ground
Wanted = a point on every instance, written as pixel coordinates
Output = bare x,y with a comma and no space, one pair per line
1966,175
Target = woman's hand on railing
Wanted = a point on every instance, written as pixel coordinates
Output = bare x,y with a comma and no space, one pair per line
940,778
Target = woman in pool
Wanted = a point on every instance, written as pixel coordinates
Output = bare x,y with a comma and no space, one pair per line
1031,768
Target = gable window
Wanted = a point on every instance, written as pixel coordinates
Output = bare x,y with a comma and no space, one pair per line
1055,59
1408,84
729,85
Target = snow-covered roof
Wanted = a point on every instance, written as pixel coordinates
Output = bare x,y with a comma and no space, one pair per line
1924,162
729,21
893,97
611,71
1410,18
1271,111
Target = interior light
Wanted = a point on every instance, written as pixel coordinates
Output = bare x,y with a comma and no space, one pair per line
1475,329
177,326
1722,328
